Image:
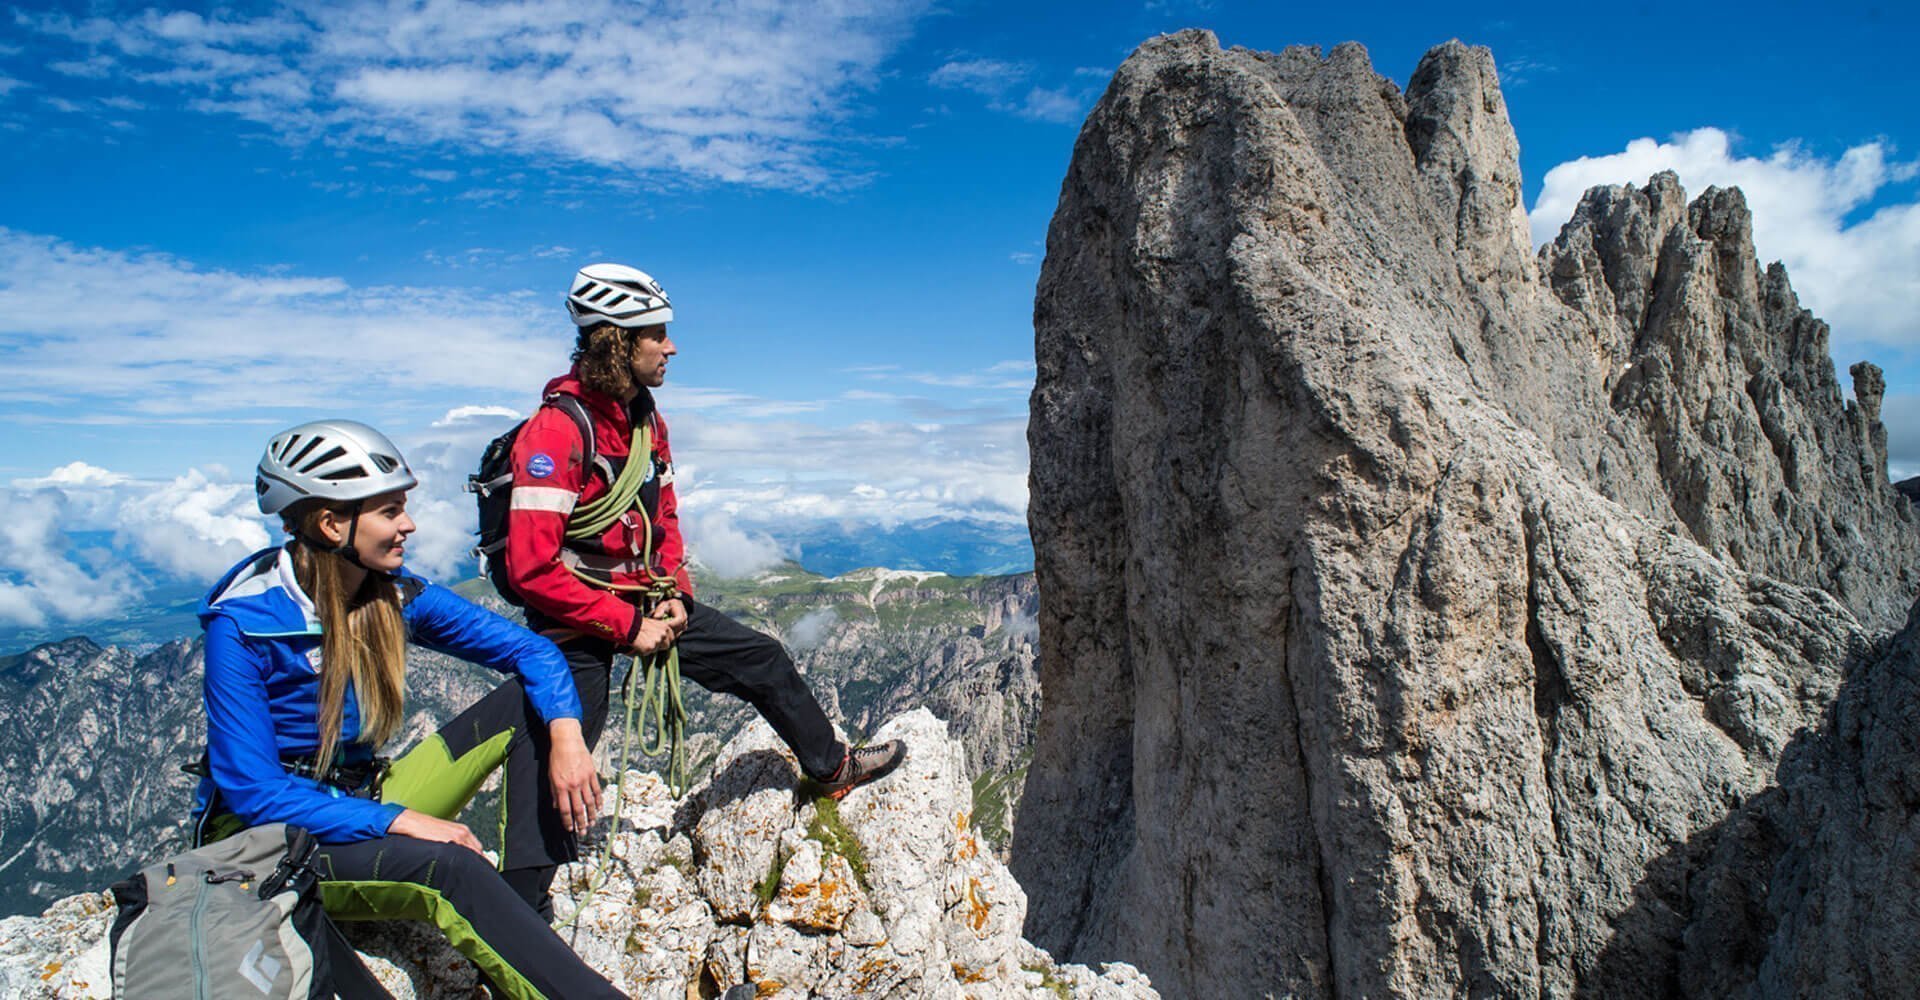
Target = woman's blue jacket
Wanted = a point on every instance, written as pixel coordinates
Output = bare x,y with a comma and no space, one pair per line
263,684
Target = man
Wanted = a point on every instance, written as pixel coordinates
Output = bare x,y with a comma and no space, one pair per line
619,584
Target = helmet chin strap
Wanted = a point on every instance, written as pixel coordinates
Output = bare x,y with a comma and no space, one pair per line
345,549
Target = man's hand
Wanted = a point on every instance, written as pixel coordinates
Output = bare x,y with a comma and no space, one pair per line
655,636
576,781
674,612
421,826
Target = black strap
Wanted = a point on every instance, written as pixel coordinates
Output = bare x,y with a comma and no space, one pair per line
351,979
571,405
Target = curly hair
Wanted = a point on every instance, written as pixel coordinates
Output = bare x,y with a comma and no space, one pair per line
604,356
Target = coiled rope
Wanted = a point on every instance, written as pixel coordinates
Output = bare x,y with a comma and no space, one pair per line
660,694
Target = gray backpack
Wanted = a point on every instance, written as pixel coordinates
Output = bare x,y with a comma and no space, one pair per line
237,918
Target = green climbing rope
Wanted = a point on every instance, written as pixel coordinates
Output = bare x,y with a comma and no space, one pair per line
590,519
660,695
661,702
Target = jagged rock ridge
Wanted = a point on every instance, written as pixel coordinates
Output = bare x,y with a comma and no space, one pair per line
1410,601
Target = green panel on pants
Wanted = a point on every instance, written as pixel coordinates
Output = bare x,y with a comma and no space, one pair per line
429,779
407,901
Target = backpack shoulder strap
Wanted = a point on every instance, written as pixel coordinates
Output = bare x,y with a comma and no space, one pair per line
571,405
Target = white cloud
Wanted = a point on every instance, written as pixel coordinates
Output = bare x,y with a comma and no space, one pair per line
94,68
727,550
1900,413
189,527
42,577
467,414
193,527
446,514
884,472
73,474
1000,82
1021,627
811,629
745,93
8,85
160,337
1050,104
1860,275
440,176
986,77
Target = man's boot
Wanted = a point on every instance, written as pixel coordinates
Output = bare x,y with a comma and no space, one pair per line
863,764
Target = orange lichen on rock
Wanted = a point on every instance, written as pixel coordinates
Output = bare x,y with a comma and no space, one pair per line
977,906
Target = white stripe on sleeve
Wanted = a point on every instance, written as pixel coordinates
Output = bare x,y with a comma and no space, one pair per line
551,499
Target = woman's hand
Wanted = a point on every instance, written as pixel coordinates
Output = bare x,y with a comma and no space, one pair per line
421,826
654,636
576,781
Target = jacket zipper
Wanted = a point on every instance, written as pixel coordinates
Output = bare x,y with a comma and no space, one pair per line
199,960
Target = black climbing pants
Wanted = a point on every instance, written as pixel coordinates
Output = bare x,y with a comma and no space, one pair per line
458,891
723,656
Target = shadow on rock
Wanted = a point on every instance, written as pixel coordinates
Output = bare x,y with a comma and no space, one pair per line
1809,888
745,776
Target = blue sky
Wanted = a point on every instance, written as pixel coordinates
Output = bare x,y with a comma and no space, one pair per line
216,222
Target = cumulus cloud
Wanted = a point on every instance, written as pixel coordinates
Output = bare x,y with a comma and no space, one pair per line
1862,275
960,463
43,576
73,474
730,551
460,415
745,93
812,628
445,513
192,527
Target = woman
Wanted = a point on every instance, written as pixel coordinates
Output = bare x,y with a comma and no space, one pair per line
304,671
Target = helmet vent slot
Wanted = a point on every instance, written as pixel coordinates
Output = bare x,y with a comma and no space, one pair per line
599,293
616,300
312,443
332,453
386,463
350,472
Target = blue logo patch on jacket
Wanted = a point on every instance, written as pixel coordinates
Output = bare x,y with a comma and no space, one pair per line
540,466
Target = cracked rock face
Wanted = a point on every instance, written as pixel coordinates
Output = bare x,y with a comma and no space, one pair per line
1415,607
890,894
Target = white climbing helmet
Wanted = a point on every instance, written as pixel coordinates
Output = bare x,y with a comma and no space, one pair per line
617,294
329,459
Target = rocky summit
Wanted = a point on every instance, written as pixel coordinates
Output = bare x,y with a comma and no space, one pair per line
1424,615
748,880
